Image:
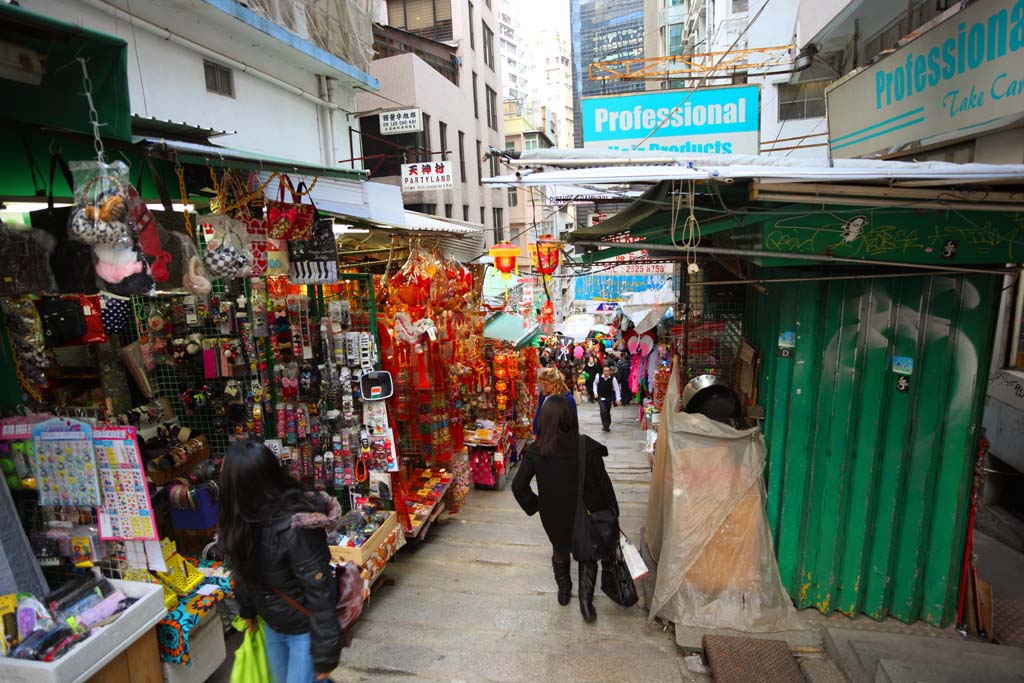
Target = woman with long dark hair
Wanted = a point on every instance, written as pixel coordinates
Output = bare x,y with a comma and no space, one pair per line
553,459
275,540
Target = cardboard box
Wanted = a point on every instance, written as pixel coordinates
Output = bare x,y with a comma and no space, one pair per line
360,555
88,657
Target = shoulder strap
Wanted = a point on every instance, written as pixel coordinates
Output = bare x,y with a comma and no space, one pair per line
295,604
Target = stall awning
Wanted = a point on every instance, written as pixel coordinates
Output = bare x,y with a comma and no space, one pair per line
43,81
510,328
228,157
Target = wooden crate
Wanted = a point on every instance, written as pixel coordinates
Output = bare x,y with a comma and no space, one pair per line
360,555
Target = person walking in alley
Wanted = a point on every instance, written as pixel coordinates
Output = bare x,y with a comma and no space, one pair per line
553,459
592,369
551,382
622,368
276,546
607,390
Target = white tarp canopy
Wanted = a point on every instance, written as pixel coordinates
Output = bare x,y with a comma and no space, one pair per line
583,166
577,326
647,308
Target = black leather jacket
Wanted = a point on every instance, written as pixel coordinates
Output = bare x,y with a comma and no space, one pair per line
294,558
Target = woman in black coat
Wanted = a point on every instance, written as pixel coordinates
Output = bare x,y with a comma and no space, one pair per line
553,459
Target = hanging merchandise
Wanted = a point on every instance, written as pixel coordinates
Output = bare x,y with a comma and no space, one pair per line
290,220
506,258
314,260
127,512
65,466
25,261
227,247
100,214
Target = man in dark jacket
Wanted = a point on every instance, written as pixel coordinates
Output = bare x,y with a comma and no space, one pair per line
622,374
606,389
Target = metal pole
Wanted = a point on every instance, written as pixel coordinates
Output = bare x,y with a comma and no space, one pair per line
757,253
1018,311
825,278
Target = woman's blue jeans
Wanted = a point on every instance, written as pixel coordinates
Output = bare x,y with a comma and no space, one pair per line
288,656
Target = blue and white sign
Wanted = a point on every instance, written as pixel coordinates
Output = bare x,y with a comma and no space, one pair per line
705,121
961,78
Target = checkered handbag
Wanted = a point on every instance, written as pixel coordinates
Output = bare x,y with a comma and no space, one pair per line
227,249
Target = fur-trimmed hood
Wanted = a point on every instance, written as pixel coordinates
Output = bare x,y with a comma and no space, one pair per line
319,520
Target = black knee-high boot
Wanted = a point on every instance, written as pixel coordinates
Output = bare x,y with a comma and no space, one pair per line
588,577
563,577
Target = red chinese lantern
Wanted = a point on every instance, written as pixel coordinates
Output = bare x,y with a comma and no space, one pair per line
506,258
545,255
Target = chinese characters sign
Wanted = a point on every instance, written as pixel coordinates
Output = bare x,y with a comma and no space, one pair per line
401,121
433,175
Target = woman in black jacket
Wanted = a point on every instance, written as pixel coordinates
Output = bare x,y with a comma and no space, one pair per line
553,459
276,545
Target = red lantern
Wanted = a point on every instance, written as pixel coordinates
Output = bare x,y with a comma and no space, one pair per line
545,255
506,258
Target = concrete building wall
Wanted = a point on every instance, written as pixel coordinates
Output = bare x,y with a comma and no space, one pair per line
166,81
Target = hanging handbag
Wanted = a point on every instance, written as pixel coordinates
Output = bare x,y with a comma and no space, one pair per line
92,314
595,533
63,321
350,599
314,260
616,581
227,254
289,220
71,262
100,214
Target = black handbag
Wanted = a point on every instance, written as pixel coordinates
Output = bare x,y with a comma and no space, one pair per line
63,321
595,533
617,582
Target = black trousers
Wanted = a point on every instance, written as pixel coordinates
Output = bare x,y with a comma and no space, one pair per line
606,412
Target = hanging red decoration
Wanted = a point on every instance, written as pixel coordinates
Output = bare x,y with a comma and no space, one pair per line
545,255
506,258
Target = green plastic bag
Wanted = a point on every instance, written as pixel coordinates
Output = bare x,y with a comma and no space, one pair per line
251,656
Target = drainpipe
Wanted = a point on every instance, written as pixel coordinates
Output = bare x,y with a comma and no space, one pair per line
164,34
1018,311
325,115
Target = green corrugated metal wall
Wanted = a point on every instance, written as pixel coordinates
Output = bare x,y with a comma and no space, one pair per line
868,486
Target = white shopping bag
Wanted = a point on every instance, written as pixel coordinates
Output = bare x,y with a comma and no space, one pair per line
635,563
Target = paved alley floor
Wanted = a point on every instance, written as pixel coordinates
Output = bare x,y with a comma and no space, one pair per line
476,600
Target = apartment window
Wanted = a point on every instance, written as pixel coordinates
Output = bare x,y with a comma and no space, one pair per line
802,100
499,228
429,209
488,38
447,210
510,146
493,165
513,196
739,6
675,40
476,107
442,131
482,214
492,108
462,157
531,142
488,3
219,79
479,166
465,212
425,155
472,40
428,18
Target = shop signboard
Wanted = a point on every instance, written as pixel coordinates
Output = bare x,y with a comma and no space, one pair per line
401,121
429,175
722,120
960,78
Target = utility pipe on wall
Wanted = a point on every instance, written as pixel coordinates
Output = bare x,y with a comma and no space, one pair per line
1018,311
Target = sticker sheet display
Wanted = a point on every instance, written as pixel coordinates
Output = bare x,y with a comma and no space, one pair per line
127,512
65,469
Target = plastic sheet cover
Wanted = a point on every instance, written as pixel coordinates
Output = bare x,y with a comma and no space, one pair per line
707,528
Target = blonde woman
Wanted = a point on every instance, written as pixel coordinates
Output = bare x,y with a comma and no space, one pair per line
551,382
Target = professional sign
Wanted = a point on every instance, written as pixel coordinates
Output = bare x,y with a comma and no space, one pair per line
434,175
958,79
705,121
401,121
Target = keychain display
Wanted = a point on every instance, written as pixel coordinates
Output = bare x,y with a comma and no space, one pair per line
65,464
127,512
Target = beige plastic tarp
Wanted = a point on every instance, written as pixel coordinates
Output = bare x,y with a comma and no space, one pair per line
707,529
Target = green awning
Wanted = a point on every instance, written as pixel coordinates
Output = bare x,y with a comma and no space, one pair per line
57,101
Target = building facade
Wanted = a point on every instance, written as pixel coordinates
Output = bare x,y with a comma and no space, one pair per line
441,57
603,30
268,77
924,81
758,48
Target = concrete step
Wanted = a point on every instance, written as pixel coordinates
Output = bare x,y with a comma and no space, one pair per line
869,657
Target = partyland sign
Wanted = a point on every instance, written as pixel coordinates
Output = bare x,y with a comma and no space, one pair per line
964,76
705,121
